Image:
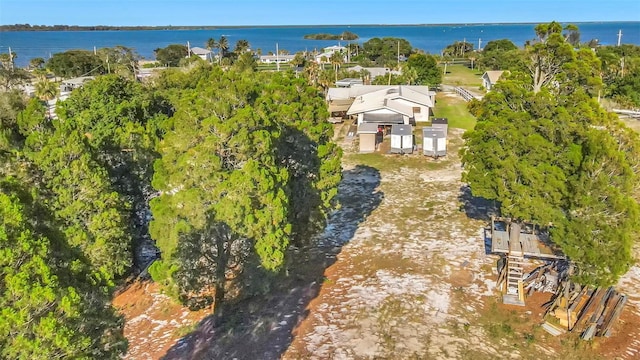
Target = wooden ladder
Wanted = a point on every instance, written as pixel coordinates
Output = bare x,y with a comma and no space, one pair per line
514,292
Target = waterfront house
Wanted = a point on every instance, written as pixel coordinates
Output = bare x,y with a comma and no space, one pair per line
490,78
273,59
204,54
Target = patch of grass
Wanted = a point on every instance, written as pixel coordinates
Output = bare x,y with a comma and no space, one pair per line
185,330
461,75
454,109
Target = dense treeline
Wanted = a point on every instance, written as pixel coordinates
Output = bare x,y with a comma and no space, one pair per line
346,35
28,27
548,152
230,166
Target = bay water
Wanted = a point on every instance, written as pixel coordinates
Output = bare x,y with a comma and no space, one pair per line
430,38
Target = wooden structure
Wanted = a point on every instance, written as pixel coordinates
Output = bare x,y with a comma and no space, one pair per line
592,311
367,133
517,241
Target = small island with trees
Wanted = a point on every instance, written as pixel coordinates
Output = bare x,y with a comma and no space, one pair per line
346,35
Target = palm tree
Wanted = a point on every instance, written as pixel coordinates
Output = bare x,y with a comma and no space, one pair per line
410,74
223,45
312,69
241,46
336,60
46,90
211,44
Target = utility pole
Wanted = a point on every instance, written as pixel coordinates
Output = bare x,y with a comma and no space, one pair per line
10,58
188,49
95,52
479,44
619,36
277,58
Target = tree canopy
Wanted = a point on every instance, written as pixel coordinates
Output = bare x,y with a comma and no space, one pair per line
547,152
247,168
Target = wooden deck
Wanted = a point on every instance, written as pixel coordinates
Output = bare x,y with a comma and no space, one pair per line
527,243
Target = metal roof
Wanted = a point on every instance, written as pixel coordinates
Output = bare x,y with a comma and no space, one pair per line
433,132
383,118
401,130
368,128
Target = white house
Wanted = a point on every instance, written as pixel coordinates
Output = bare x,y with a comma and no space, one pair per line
490,78
375,71
204,54
273,59
398,104
327,52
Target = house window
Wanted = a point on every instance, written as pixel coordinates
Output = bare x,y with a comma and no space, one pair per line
416,110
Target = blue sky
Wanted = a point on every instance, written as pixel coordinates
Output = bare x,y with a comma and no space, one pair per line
310,12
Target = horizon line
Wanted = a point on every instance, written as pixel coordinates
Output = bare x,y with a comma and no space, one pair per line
336,25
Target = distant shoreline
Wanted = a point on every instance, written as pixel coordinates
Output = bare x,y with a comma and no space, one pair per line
26,27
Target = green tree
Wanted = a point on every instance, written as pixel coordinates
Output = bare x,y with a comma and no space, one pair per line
171,55
458,49
426,68
36,63
74,63
120,60
499,45
11,77
336,60
211,44
225,180
48,311
548,153
223,46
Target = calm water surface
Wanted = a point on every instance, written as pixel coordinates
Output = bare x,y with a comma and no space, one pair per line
430,38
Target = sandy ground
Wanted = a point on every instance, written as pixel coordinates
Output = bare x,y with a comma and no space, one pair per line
401,272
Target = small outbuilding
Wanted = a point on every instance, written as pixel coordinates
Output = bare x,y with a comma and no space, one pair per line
440,123
434,142
367,134
401,139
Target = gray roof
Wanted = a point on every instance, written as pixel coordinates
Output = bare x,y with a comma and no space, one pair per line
433,132
200,51
401,130
398,99
368,128
355,91
383,118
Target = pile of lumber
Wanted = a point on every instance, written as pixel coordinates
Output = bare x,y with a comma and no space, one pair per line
591,311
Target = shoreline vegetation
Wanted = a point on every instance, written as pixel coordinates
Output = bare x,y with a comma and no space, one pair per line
347,35
28,27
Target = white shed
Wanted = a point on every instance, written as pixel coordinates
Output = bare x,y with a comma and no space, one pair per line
401,139
434,142
440,123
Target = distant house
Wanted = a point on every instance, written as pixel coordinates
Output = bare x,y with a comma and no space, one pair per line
71,84
375,71
273,59
204,54
490,78
327,52
349,82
